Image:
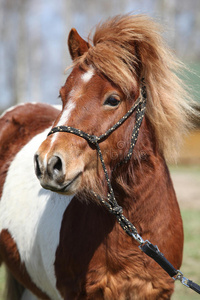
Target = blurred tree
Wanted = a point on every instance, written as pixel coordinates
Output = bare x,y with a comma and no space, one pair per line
8,47
33,39
21,52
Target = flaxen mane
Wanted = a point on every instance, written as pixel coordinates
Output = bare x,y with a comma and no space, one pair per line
127,45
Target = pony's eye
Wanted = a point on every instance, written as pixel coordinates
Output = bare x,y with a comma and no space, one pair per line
112,100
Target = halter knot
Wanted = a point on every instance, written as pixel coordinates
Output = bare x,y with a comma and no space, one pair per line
93,139
116,210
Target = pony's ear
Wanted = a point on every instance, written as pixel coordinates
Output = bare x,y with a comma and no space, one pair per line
77,45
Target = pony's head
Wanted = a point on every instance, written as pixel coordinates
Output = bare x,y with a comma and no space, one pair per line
103,85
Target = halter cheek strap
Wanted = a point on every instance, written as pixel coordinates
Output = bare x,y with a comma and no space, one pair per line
147,247
140,105
111,202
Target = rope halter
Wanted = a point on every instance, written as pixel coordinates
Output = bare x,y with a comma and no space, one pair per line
111,203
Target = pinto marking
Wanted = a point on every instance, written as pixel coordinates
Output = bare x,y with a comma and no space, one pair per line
27,295
38,213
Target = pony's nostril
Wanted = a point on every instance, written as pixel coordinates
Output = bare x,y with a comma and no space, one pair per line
50,173
55,169
37,166
58,165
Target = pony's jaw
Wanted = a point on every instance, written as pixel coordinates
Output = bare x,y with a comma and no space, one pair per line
69,186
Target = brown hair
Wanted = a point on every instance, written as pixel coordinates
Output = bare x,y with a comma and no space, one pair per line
129,47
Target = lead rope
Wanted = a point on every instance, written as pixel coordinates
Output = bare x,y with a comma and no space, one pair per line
111,202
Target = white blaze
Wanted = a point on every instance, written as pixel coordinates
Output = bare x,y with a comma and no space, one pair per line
69,107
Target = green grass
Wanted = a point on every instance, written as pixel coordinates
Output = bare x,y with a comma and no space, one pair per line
191,257
2,281
192,79
192,169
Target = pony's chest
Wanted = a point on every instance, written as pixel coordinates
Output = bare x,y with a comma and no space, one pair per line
33,218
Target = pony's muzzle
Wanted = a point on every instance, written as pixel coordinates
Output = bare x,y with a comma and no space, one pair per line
51,175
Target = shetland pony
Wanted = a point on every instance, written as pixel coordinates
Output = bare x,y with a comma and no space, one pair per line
56,239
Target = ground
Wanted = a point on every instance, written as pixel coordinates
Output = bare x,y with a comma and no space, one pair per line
186,181
187,186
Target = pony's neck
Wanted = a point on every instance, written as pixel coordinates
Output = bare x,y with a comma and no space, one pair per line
136,185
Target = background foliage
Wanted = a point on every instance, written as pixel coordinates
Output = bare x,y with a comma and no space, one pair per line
33,39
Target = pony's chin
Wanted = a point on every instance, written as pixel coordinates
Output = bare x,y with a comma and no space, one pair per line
70,187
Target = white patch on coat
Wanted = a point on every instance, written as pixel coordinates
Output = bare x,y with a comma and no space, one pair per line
33,217
27,295
57,106
87,75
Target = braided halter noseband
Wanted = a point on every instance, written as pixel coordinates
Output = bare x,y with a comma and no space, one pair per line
111,202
